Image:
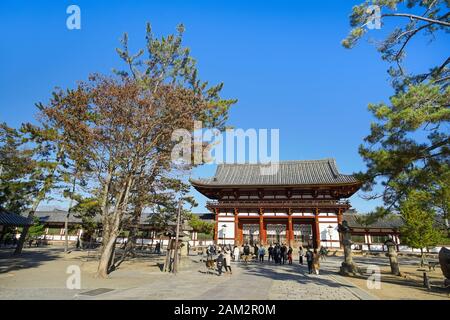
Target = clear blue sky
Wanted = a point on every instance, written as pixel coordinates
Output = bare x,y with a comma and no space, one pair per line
281,59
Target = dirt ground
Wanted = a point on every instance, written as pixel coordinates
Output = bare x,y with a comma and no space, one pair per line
407,286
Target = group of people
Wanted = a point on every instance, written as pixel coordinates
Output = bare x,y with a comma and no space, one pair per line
222,257
278,253
312,259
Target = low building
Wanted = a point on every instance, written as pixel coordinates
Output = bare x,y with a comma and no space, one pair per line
10,221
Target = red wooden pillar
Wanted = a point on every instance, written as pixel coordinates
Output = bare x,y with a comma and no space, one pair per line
316,220
262,236
236,227
291,230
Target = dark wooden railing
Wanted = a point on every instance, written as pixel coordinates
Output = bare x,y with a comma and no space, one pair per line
278,203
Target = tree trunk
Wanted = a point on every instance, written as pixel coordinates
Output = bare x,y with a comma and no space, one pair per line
129,247
105,258
113,231
422,260
66,235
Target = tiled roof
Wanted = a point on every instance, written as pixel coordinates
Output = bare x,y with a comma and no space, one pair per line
299,172
12,219
55,216
389,222
59,216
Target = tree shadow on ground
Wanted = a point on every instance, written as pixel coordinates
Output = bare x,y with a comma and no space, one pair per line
293,272
29,258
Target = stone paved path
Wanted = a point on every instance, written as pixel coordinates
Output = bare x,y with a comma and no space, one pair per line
248,282
27,278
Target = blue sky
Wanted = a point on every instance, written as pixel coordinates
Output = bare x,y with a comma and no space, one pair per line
281,59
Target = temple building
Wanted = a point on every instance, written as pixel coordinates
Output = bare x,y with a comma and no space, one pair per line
301,203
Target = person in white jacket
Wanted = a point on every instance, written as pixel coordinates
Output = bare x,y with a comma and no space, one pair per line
237,253
227,256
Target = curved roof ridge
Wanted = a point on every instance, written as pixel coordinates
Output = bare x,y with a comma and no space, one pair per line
280,162
290,172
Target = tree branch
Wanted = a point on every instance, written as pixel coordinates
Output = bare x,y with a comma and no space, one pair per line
413,16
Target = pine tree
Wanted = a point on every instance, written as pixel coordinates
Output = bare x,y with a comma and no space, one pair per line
407,149
419,229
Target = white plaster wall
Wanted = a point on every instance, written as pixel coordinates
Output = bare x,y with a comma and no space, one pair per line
226,219
229,232
327,219
323,230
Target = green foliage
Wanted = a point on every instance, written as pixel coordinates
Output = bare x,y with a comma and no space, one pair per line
36,230
169,62
407,150
89,211
201,226
419,230
16,165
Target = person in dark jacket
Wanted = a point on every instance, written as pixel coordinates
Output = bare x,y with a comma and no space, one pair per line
255,250
309,260
246,253
289,255
278,254
283,253
219,262
270,251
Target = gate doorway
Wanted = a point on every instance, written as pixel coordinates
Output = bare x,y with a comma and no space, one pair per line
276,233
250,234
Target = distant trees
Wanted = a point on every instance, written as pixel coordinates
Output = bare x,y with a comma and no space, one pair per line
31,166
201,226
419,230
407,150
16,164
35,230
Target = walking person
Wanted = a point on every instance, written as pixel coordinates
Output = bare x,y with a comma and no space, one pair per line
227,260
278,253
289,254
309,260
270,250
300,255
323,252
316,261
219,262
236,253
283,253
274,254
262,253
255,251
246,252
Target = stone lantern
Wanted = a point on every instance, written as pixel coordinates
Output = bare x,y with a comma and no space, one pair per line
392,254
